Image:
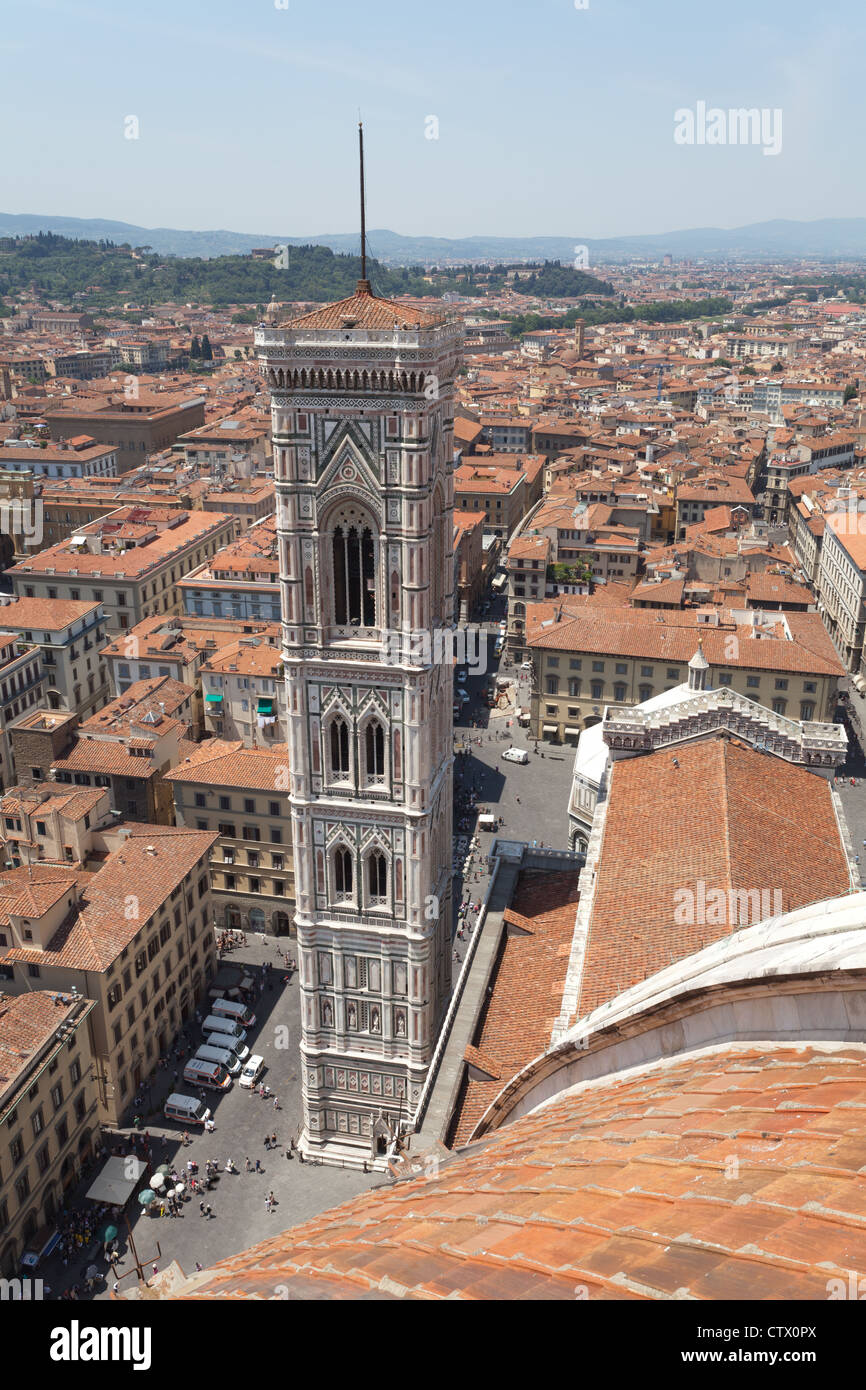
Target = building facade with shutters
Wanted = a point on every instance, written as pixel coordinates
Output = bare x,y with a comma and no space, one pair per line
362,404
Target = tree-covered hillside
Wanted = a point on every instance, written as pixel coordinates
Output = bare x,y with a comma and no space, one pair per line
102,275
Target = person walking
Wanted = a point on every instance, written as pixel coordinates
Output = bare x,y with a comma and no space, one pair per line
259,1168
248,1165
201,1208
208,1213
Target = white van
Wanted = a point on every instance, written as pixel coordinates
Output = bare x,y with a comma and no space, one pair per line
187,1109
211,1074
221,1023
223,1042
224,1057
231,1008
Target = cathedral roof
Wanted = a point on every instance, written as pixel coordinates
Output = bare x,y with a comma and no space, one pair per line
363,309
733,1172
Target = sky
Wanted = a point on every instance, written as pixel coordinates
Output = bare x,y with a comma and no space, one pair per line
482,117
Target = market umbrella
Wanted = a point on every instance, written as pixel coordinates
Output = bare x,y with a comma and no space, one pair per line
178,1191
146,1197
157,1182
92,1272
164,1168
107,1233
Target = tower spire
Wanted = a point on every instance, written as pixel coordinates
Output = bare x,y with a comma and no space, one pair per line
363,284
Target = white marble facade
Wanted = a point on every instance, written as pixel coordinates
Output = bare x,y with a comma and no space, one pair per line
363,460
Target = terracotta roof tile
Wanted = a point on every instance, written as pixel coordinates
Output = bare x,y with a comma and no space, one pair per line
611,1189
727,816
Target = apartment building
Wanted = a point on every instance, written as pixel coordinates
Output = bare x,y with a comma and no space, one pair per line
769,394
48,1115
775,346
695,498
469,561
126,747
130,561
237,442
70,635
242,581
507,436
584,659
136,937
245,693
83,364
46,824
841,583
136,423
176,647
503,491
249,503
22,685
242,794
78,457
526,568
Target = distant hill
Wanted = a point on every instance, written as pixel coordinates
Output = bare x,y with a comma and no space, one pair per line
840,238
101,274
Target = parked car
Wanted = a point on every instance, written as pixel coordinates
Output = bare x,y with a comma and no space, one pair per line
516,755
252,1071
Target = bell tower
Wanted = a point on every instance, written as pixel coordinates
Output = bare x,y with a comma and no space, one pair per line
362,418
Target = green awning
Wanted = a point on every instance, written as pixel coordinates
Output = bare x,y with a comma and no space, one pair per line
212,699
265,707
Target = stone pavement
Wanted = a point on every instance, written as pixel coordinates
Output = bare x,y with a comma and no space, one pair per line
531,798
242,1121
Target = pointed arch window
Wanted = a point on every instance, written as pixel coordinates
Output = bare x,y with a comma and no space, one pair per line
374,753
343,875
354,563
377,878
341,767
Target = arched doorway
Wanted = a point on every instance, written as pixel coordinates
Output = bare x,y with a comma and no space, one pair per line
280,924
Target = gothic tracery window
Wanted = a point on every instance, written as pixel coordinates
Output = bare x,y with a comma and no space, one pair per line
374,753
340,759
377,877
343,879
354,572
